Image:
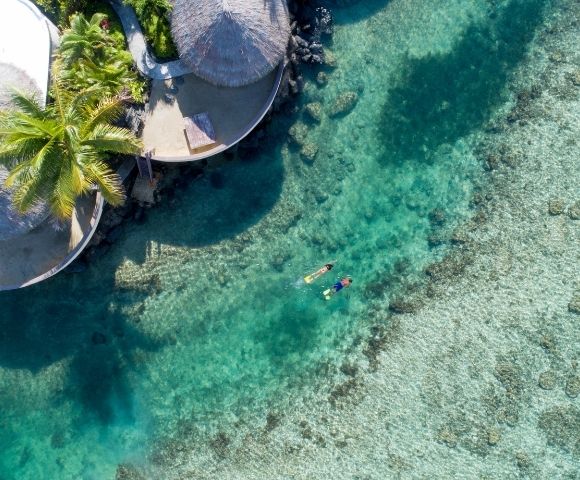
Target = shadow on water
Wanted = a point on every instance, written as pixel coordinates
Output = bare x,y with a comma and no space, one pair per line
224,203
441,98
76,324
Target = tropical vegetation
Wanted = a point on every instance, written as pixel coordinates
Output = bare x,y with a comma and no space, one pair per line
91,57
59,11
153,16
56,154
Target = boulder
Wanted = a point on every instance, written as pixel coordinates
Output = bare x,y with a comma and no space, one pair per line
314,111
556,206
573,386
343,104
574,211
574,305
309,151
493,436
321,79
561,425
298,133
547,380
98,338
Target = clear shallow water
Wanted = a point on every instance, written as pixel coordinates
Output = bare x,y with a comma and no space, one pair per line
205,320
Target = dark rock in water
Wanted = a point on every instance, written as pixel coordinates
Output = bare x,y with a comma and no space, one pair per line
343,104
547,343
293,86
547,380
349,369
437,217
127,471
114,234
220,444
308,152
510,376
98,338
493,436
400,305
435,240
57,440
316,58
561,425
574,211
447,436
140,216
556,206
523,460
110,219
343,390
78,266
272,421
314,111
573,387
298,133
574,305
492,161
216,180
316,48
301,42
321,79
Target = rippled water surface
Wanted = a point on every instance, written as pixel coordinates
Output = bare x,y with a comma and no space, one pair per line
198,319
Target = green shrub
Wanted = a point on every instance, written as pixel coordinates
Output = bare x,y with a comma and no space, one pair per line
153,16
59,11
92,57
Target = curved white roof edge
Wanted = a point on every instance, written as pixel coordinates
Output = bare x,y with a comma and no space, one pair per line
26,41
247,130
73,254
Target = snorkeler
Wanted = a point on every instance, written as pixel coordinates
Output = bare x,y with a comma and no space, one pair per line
313,276
337,287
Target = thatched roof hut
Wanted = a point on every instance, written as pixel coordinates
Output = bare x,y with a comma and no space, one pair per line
12,223
231,43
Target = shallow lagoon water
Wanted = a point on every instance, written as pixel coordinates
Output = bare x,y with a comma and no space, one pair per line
196,321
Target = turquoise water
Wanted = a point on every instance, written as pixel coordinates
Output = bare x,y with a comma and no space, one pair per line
206,323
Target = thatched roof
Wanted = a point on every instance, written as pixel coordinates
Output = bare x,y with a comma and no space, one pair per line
13,224
231,43
12,77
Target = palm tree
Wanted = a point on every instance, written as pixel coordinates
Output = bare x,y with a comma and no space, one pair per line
89,56
56,154
84,39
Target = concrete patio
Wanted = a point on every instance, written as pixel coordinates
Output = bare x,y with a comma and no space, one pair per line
44,251
234,112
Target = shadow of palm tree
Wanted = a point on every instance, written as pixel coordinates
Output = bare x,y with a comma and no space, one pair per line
441,98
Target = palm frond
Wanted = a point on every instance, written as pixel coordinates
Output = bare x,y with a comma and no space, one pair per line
28,104
109,183
107,111
107,138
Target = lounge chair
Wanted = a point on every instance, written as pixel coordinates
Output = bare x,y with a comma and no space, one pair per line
199,130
